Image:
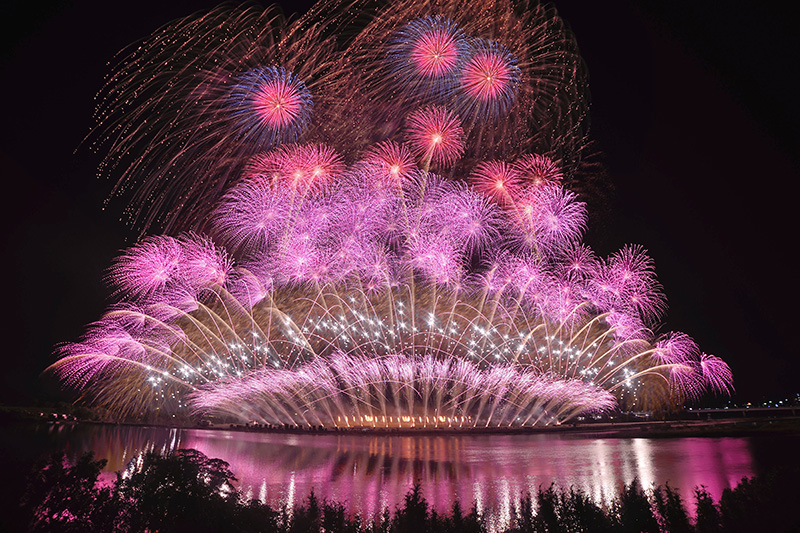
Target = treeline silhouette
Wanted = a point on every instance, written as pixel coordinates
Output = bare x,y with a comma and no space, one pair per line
187,491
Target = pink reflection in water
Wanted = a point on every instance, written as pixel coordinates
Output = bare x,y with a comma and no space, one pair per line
370,473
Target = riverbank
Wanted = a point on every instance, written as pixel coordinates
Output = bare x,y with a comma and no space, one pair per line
650,429
718,427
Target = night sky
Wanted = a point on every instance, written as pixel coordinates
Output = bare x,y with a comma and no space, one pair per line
695,111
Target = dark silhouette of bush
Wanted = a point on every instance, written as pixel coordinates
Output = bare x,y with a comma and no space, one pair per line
577,512
708,519
764,503
413,516
457,522
254,516
632,511
671,511
382,524
523,515
416,516
564,510
546,516
60,497
336,519
307,516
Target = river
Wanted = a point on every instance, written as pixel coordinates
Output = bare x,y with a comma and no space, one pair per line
371,472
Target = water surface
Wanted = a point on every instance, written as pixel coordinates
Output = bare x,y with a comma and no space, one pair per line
372,472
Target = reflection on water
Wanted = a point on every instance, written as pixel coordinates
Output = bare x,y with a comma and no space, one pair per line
370,473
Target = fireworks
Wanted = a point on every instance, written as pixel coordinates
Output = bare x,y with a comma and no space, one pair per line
497,181
425,54
325,276
535,170
271,104
490,78
435,136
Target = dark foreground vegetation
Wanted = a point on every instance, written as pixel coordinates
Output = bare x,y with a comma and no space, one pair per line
187,491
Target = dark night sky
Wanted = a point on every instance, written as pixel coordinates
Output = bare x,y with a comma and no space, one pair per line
695,111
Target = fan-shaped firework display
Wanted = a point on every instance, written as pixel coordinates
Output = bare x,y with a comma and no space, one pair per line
370,227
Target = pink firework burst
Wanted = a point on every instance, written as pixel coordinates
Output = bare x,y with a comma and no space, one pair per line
490,79
550,218
102,348
561,218
435,135
389,163
279,100
435,50
147,268
300,261
473,221
204,265
271,104
376,270
523,278
277,103
497,180
628,283
424,57
264,166
537,170
436,259
563,303
626,327
716,373
251,216
301,167
247,287
675,348
577,263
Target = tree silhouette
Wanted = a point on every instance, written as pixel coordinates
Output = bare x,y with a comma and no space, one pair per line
61,497
181,491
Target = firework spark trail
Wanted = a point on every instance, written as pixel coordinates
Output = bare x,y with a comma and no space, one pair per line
325,276
182,105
